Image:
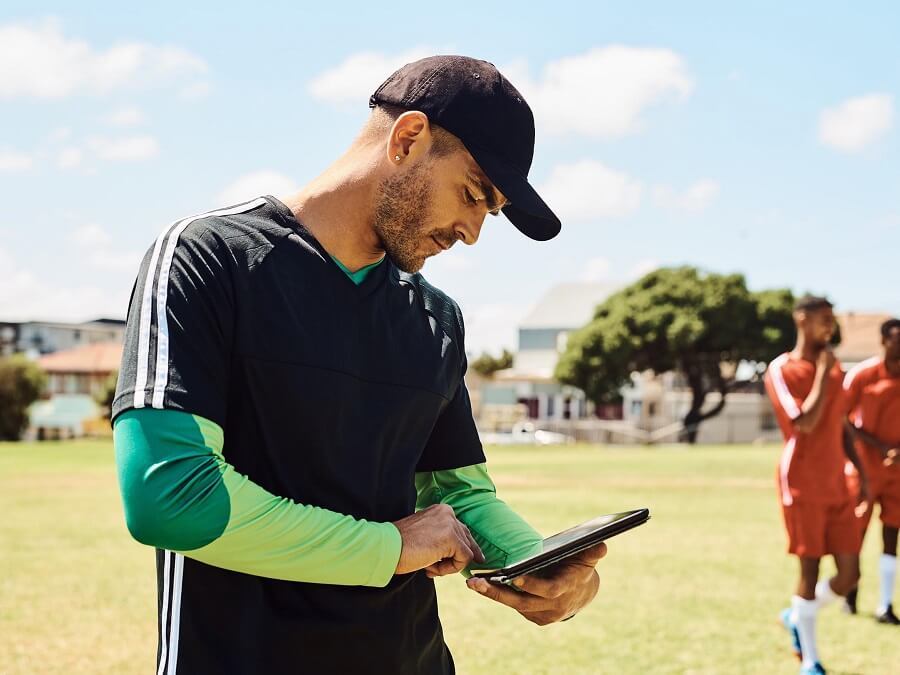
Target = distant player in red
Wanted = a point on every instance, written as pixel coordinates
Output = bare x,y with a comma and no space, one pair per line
872,390
805,387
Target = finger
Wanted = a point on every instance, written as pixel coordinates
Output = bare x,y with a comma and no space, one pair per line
477,554
523,602
591,556
551,587
443,568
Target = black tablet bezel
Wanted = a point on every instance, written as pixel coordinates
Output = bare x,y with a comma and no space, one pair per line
541,560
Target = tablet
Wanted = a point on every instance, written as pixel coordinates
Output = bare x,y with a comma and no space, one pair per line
569,542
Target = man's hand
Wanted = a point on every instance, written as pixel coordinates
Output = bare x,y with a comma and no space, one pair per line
826,360
553,596
862,499
434,540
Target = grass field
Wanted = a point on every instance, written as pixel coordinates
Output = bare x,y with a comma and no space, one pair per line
697,590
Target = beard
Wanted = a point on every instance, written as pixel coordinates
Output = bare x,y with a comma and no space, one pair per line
404,204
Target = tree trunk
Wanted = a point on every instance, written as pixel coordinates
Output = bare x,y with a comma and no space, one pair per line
695,414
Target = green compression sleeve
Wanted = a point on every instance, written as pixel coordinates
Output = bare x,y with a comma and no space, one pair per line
504,537
181,494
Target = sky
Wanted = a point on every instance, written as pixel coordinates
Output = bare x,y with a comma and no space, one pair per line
760,139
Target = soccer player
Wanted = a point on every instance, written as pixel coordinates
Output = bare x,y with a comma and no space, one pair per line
805,388
293,432
872,389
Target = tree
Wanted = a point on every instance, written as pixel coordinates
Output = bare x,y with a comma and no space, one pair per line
21,384
679,319
487,365
104,397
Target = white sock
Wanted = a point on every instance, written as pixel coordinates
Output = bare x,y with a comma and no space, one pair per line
824,594
804,617
888,568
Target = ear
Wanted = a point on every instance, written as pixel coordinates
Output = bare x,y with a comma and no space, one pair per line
410,137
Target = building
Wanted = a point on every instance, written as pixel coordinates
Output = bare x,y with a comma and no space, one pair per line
528,389
45,337
81,370
76,379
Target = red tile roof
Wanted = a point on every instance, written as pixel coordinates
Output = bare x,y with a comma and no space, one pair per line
99,357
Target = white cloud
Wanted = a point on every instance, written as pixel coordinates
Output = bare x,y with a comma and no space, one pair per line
25,295
694,199
126,149
96,248
589,190
127,116
358,76
596,269
642,267
38,61
195,91
857,122
90,235
492,326
69,158
13,161
250,185
603,92
59,134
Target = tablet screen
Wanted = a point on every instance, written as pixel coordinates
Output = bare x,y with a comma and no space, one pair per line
579,531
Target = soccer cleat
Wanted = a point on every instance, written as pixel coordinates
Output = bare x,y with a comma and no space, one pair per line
791,628
849,606
888,617
814,669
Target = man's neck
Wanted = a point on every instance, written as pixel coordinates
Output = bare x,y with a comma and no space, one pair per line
892,366
338,206
806,350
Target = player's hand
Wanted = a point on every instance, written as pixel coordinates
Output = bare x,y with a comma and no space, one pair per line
826,360
862,498
435,541
554,594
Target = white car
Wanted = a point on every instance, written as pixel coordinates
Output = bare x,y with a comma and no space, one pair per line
525,433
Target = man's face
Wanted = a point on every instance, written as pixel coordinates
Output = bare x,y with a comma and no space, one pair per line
892,345
433,203
817,326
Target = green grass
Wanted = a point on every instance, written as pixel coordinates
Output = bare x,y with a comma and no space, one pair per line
697,590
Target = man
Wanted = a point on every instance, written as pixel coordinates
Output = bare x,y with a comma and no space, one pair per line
292,392
805,388
872,389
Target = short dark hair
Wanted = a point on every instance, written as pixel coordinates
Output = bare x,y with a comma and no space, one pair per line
888,326
811,303
383,116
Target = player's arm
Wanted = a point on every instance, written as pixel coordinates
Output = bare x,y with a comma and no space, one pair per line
503,535
814,404
180,494
853,456
869,438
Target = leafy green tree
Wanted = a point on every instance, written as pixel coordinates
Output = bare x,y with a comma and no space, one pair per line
21,384
679,319
486,364
107,393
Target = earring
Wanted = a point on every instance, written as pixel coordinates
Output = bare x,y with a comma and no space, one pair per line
396,158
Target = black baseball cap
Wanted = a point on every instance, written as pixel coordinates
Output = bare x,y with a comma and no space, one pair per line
474,102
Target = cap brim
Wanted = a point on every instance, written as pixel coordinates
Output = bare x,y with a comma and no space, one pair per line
527,211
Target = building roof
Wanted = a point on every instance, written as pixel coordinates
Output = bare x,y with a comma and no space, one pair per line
860,336
99,357
568,306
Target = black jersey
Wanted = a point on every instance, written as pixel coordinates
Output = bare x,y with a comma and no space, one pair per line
330,394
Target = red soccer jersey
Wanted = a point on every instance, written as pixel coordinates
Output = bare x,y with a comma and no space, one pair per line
873,399
812,464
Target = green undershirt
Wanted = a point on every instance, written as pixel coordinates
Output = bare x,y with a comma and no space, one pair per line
181,494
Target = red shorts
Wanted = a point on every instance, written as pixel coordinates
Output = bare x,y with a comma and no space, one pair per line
815,530
884,490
